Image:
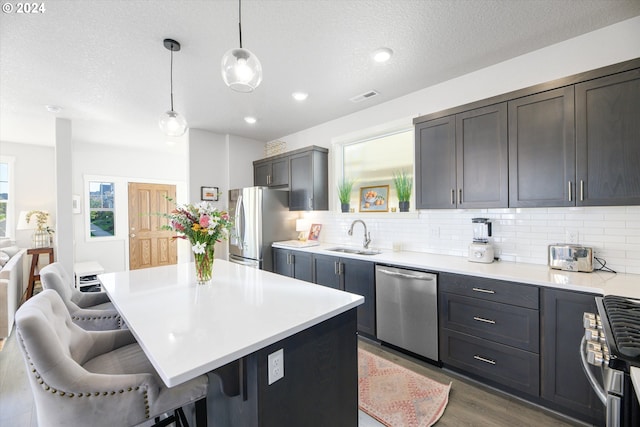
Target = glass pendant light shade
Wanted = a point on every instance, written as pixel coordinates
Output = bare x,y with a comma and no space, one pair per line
241,70
172,124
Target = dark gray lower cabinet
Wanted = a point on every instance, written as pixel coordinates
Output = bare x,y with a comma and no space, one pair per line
490,330
353,276
295,264
564,384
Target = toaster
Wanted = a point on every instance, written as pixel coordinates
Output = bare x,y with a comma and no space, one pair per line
568,257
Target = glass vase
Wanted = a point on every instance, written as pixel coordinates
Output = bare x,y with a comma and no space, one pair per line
204,265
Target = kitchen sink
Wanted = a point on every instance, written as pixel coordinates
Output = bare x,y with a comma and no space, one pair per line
354,251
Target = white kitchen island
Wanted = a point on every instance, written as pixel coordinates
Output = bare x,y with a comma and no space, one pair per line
232,324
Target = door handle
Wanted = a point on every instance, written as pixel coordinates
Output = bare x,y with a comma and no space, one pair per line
453,196
570,196
460,197
406,276
581,190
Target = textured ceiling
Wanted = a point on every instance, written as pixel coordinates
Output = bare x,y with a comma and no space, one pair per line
103,61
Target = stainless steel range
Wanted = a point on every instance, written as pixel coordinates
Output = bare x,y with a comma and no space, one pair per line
612,343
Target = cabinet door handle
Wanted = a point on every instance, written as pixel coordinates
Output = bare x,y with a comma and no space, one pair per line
484,359
460,196
292,259
335,268
340,268
570,196
581,190
482,319
453,196
484,291
268,179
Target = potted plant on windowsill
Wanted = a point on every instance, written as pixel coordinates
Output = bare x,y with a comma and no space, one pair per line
404,184
344,193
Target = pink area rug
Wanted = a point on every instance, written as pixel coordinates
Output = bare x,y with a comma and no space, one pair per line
396,396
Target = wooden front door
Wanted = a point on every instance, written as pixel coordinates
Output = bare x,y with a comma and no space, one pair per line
149,245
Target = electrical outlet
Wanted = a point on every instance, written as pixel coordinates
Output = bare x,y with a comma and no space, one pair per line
276,366
571,236
434,232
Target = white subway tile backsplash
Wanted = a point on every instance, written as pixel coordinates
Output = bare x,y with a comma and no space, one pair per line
520,235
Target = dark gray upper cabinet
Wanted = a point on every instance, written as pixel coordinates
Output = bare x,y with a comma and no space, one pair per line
608,140
309,180
542,149
435,152
304,172
462,160
271,172
482,157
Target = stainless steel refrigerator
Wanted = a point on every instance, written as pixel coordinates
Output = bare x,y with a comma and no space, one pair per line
261,216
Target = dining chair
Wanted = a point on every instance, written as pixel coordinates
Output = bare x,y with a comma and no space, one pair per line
95,378
92,311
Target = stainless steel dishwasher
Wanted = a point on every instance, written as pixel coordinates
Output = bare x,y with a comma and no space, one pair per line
407,309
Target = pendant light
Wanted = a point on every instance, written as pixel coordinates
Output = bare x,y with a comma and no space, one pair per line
172,123
241,69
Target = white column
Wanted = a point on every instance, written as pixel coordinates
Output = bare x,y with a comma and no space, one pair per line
64,213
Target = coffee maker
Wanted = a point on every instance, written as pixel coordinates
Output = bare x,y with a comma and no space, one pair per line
480,250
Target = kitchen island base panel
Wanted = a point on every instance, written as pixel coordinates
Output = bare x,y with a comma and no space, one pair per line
319,388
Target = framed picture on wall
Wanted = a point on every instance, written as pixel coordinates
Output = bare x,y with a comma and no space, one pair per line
374,199
209,194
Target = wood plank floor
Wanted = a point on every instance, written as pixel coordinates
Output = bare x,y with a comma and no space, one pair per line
469,404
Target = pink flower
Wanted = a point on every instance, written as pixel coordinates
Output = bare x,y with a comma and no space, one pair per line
204,221
177,226
224,216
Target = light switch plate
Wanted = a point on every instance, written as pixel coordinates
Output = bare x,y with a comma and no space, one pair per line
276,366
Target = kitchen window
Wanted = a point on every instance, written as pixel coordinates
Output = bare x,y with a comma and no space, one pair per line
373,162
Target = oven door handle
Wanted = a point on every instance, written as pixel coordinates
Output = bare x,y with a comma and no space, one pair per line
597,388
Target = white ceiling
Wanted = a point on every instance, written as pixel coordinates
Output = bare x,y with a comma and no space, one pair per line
103,61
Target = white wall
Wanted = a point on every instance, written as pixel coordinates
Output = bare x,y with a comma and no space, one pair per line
121,165
521,234
34,186
242,153
209,167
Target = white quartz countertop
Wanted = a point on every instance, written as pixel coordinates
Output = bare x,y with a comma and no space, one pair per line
188,329
598,282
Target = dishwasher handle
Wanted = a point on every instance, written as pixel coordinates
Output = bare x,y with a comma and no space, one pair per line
429,278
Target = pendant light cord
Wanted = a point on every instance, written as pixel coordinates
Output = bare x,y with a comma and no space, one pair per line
171,77
240,21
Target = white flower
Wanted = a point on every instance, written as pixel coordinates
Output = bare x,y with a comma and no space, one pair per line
199,247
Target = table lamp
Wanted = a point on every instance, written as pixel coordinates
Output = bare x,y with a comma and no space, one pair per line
302,227
41,237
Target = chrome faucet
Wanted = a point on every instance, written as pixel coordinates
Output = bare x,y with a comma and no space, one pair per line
367,235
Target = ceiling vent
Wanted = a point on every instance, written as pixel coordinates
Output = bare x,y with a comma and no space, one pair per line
363,96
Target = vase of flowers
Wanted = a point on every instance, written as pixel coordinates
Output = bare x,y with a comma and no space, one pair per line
203,225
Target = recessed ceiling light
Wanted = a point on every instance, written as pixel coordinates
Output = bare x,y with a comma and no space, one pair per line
250,120
300,96
55,109
382,55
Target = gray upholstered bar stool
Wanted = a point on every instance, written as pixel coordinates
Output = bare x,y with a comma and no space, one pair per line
92,311
94,378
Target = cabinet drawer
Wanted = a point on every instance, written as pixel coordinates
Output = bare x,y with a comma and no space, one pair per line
502,364
490,289
503,323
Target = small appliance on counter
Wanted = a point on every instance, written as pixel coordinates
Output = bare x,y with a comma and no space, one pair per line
481,250
563,256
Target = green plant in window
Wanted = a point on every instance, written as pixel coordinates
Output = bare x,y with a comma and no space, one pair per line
344,190
404,184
